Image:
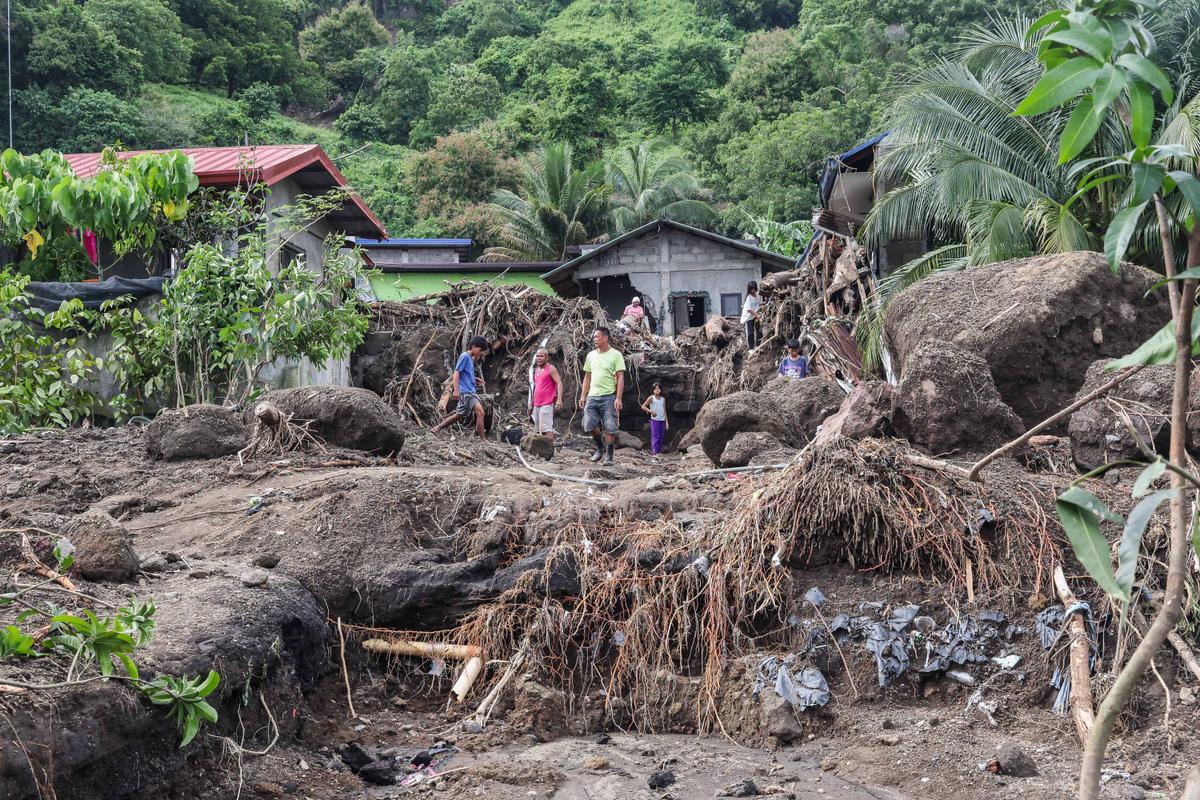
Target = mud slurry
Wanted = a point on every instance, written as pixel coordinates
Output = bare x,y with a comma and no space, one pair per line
416,545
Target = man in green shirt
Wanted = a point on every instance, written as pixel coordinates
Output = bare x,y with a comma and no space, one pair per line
600,397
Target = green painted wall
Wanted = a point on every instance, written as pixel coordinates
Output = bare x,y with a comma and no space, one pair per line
402,285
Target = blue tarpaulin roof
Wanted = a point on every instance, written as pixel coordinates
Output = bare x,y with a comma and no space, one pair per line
832,164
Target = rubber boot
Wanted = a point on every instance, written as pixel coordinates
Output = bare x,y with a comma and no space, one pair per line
608,456
599,454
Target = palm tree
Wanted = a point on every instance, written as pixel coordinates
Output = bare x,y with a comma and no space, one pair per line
558,206
983,184
651,182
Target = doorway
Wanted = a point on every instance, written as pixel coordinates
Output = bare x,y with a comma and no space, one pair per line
688,311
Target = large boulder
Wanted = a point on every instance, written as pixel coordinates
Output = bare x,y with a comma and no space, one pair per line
103,551
342,416
726,416
866,411
1099,434
199,431
745,445
1037,323
947,402
805,403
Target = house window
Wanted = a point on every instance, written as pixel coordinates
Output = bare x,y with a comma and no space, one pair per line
289,254
731,304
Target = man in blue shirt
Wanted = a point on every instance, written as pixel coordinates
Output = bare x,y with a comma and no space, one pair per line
793,366
465,380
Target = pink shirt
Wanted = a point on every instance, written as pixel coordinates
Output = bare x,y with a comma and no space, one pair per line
634,311
544,390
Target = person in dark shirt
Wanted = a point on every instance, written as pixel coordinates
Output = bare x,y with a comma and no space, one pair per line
465,382
794,365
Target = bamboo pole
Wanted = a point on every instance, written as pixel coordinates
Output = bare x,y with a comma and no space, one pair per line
1080,702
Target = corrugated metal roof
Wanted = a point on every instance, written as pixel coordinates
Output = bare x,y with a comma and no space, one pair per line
362,242
231,166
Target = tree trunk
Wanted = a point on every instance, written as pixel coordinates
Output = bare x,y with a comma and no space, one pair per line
1172,609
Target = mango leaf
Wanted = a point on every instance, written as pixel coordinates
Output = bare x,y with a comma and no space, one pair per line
1147,179
1158,349
1145,69
1141,112
1131,540
1120,232
1080,513
1059,85
1189,187
1095,42
1149,475
1081,129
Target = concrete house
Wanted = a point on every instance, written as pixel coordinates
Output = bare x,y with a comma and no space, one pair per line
417,267
683,274
285,170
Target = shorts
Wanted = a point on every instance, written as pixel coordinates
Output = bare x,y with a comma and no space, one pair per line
601,412
466,404
543,419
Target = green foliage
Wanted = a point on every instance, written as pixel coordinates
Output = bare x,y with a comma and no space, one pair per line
679,86
15,642
785,238
480,22
67,49
185,700
650,181
149,28
95,119
336,41
460,100
92,640
43,371
235,44
451,180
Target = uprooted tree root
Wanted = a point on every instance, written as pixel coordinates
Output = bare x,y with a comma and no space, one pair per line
276,433
619,604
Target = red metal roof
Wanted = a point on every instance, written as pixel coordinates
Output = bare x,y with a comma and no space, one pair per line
230,166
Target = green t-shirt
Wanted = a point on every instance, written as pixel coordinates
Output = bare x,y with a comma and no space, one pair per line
603,368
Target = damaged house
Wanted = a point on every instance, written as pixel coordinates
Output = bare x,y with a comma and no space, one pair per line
683,274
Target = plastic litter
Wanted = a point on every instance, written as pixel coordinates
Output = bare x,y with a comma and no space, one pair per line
815,597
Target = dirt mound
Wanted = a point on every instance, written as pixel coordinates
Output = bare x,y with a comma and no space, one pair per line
342,416
199,431
946,402
866,411
805,403
788,410
745,446
1037,322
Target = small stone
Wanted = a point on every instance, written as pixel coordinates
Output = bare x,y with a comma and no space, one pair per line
1187,695
1135,793
888,739
603,738
380,773
8,448
400,702
268,790
266,560
154,563
888,725
1012,760
440,786
828,764
746,788
655,485
255,577
660,779
290,787
471,726
595,763
304,765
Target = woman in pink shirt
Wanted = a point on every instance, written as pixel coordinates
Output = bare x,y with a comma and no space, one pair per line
547,394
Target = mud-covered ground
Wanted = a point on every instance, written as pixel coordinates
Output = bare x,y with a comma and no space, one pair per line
409,544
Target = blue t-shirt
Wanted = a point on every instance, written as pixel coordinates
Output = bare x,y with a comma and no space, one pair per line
794,367
466,374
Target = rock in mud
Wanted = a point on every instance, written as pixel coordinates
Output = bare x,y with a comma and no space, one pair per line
866,411
1037,322
629,441
154,562
1098,433
745,445
1014,761
380,773
805,404
102,547
255,577
343,416
779,719
746,788
661,779
267,560
947,402
199,431
538,445
354,755
721,419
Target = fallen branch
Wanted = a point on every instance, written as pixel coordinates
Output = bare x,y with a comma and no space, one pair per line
1092,396
461,652
1080,702
484,710
345,672
1186,654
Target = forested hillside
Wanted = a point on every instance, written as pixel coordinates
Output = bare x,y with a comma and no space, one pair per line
428,106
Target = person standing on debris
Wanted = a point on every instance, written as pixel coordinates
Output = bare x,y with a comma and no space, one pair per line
656,407
634,315
465,381
750,314
547,394
794,365
600,396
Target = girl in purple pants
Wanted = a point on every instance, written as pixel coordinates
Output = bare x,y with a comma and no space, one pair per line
656,407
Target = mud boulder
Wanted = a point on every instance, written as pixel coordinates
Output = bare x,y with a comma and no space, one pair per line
103,551
721,419
1099,434
804,404
1037,323
946,402
198,431
538,445
866,411
343,416
746,445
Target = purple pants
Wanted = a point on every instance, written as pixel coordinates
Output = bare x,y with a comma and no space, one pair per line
658,427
